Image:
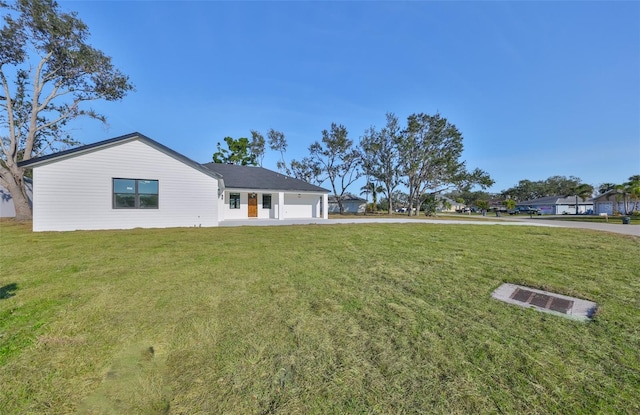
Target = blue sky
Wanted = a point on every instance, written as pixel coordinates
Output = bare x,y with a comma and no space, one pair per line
536,88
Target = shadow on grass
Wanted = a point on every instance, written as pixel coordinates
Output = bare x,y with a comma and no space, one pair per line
8,291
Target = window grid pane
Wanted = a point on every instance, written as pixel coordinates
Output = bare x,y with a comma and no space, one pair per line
135,194
124,186
266,201
234,201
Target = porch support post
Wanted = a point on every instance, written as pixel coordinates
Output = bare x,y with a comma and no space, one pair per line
280,205
325,206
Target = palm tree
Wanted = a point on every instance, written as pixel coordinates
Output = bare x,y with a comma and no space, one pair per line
630,194
583,191
371,187
633,188
605,187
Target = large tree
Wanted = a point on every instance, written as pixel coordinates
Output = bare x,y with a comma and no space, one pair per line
277,142
553,186
256,146
380,156
469,197
237,152
48,72
336,160
430,158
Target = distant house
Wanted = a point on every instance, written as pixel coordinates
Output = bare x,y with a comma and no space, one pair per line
612,202
133,181
350,204
559,205
7,209
449,205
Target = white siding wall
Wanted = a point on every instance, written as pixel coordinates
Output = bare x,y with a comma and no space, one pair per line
268,213
243,212
77,193
349,206
304,206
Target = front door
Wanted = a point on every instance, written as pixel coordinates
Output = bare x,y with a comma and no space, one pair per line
253,205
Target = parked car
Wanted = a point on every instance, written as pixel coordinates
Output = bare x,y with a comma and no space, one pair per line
525,210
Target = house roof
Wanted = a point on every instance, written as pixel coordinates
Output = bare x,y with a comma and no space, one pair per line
555,200
259,178
347,197
61,155
240,177
606,195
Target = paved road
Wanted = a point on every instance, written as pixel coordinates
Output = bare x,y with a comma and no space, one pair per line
608,227
510,221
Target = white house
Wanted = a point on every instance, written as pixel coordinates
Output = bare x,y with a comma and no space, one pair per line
613,202
560,205
133,181
350,204
255,192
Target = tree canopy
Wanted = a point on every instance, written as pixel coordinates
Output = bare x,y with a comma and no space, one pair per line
334,159
47,72
425,156
237,152
553,186
430,159
380,156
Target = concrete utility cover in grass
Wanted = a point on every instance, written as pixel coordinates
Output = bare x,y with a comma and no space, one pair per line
545,301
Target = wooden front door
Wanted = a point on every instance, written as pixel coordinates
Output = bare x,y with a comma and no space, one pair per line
253,205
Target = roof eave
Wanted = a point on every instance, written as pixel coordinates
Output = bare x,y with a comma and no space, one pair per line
61,155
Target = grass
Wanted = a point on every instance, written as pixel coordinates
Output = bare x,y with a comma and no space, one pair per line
345,319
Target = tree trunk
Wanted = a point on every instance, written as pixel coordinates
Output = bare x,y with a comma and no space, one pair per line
20,200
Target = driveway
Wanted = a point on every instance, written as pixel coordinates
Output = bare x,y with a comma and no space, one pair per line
510,221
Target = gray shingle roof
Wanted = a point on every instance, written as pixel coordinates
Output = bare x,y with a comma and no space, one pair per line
239,177
259,178
555,200
347,197
115,141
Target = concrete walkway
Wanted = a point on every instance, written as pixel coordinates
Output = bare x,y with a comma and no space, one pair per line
507,221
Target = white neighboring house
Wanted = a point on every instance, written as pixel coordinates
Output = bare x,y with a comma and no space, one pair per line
559,205
448,205
7,209
133,181
613,202
350,204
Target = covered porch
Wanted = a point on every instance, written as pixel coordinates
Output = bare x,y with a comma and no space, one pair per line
244,204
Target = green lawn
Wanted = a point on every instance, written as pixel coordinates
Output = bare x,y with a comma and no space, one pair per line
344,319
